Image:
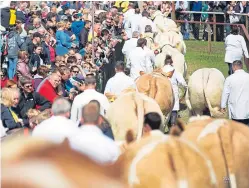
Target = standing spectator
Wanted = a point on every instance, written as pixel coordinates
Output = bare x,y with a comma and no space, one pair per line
20,12
84,33
35,59
36,40
77,25
51,20
12,13
30,99
183,6
59,126
196,6
48,89
48,52
22,68
105,151
235,93
119,82
63,41
235,46
14,44
20,29
96,32
9,98
138,60
84,98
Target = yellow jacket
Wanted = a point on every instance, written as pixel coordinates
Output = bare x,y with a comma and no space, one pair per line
122,4
90,36
12,16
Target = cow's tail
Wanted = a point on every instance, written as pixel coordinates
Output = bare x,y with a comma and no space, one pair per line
187,100
140,113
225,137
153,89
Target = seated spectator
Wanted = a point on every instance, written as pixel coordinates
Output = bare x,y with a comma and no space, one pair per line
48,89
42,73
30,99
11,84
105,151
4,77
10,98
22,68
59,126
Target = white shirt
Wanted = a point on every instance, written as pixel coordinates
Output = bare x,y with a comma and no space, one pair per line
84,98
176,80
92,142
236,93
118,83
235,46
127,22
146,21
55,129
138,61
135,21
151,57
129,45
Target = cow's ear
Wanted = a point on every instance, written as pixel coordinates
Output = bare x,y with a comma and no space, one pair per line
130,136
178,128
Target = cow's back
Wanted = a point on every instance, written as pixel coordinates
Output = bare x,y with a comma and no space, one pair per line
158,87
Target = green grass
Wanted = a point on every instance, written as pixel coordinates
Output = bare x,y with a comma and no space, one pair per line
197,56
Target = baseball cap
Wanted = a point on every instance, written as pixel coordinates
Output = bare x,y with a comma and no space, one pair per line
168,68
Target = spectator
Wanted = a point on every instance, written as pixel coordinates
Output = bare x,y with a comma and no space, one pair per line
63,41
138,61
20,13
77,25
235,93
183,6
59,126
105,151
12,13
48,52
4,77
196,6
35,59
119,82
14,44
235,46
30,99
11,84
36,40
22,68
51,19
9,98
42,73
84,98
23,34
96,31
84,34
48,89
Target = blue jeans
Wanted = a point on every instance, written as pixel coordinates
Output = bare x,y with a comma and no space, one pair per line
185,30
12,67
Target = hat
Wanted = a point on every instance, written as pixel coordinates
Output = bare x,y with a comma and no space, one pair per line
168,68
36,34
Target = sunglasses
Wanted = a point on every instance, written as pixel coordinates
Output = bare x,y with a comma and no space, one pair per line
28,86
75,72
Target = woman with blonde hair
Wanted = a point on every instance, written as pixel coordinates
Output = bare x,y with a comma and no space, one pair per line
10,98
63,41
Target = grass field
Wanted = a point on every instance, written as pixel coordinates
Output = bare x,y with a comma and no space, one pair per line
197,57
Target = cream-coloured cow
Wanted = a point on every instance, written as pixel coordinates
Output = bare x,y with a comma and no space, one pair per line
226,143
178,58
127,113
164,161
157,86
205,88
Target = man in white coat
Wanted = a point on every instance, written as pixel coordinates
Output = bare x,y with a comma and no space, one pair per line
236,94
176,79
130,44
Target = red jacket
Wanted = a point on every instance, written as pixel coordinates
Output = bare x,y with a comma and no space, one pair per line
48,91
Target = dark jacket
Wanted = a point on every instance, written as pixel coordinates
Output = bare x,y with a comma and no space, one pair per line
20,16
45,54
7,118
84,37
30,102
35,61
5,17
